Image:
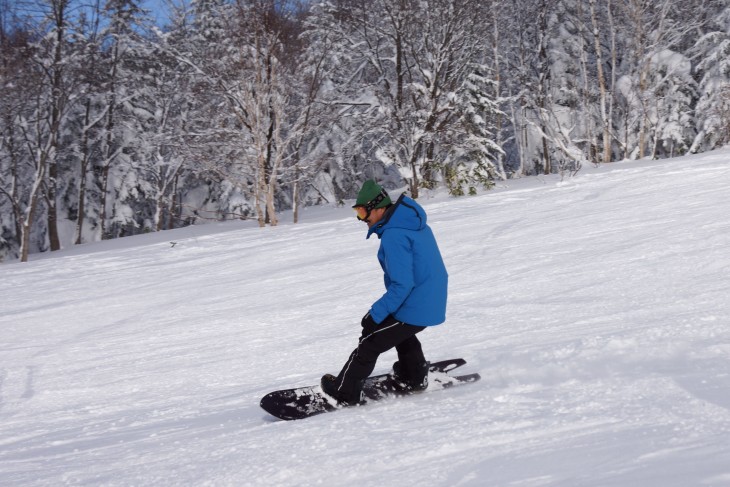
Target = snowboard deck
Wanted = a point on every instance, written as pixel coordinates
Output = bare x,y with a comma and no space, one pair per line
303,402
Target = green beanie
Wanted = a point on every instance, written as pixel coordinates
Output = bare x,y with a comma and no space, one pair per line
370,191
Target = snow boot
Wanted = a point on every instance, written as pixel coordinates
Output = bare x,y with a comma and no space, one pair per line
343,397
412,377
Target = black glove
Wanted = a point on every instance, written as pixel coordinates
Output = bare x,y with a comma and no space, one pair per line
368,323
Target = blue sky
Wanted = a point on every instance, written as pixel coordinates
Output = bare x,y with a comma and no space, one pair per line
158,10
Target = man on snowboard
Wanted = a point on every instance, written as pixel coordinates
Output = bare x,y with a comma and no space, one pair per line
415,298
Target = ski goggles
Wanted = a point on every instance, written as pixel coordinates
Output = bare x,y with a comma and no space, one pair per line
363,211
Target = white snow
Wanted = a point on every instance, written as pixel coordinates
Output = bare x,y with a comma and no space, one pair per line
597,311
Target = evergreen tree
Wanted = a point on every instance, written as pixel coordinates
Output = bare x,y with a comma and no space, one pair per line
712,110
473,162
16,89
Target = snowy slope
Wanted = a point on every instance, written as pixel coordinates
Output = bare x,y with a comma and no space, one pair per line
597,311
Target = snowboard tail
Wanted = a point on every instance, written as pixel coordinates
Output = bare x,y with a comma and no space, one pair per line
303,402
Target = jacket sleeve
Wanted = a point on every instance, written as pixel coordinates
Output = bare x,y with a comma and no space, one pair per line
399,278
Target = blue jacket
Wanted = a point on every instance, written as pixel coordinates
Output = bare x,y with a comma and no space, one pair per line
415,276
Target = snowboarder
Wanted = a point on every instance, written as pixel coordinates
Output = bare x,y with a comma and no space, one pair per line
415,298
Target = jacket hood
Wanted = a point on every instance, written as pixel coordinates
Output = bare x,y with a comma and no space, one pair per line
405,214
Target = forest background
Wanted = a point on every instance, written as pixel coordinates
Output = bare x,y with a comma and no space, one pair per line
112,124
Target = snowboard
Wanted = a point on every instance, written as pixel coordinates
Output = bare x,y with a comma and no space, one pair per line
303,402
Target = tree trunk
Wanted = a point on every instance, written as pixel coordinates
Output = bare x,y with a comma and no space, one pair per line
53,238
295,197
497,91
55,125
109,149
544,83
644,115
413,183
27,223
104,193
601,85
260,196
14,191
546,154
81,213
159,217
518,134
614,56
174,204
586,103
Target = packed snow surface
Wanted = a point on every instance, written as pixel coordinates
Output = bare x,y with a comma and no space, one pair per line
596,309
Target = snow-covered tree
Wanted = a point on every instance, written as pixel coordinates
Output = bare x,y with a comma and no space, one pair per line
472,162
234,54
712,111
675,93
87,119
122,72
16,89
49,87
240,108
654,28
400,67
528,56
159,150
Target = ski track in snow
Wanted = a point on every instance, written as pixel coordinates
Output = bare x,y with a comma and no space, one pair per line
597,311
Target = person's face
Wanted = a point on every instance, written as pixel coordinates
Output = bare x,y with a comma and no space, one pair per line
371,219
375,216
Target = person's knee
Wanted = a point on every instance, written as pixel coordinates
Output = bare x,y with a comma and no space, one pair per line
370,349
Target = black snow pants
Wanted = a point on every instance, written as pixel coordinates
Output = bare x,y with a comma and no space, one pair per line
375,340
